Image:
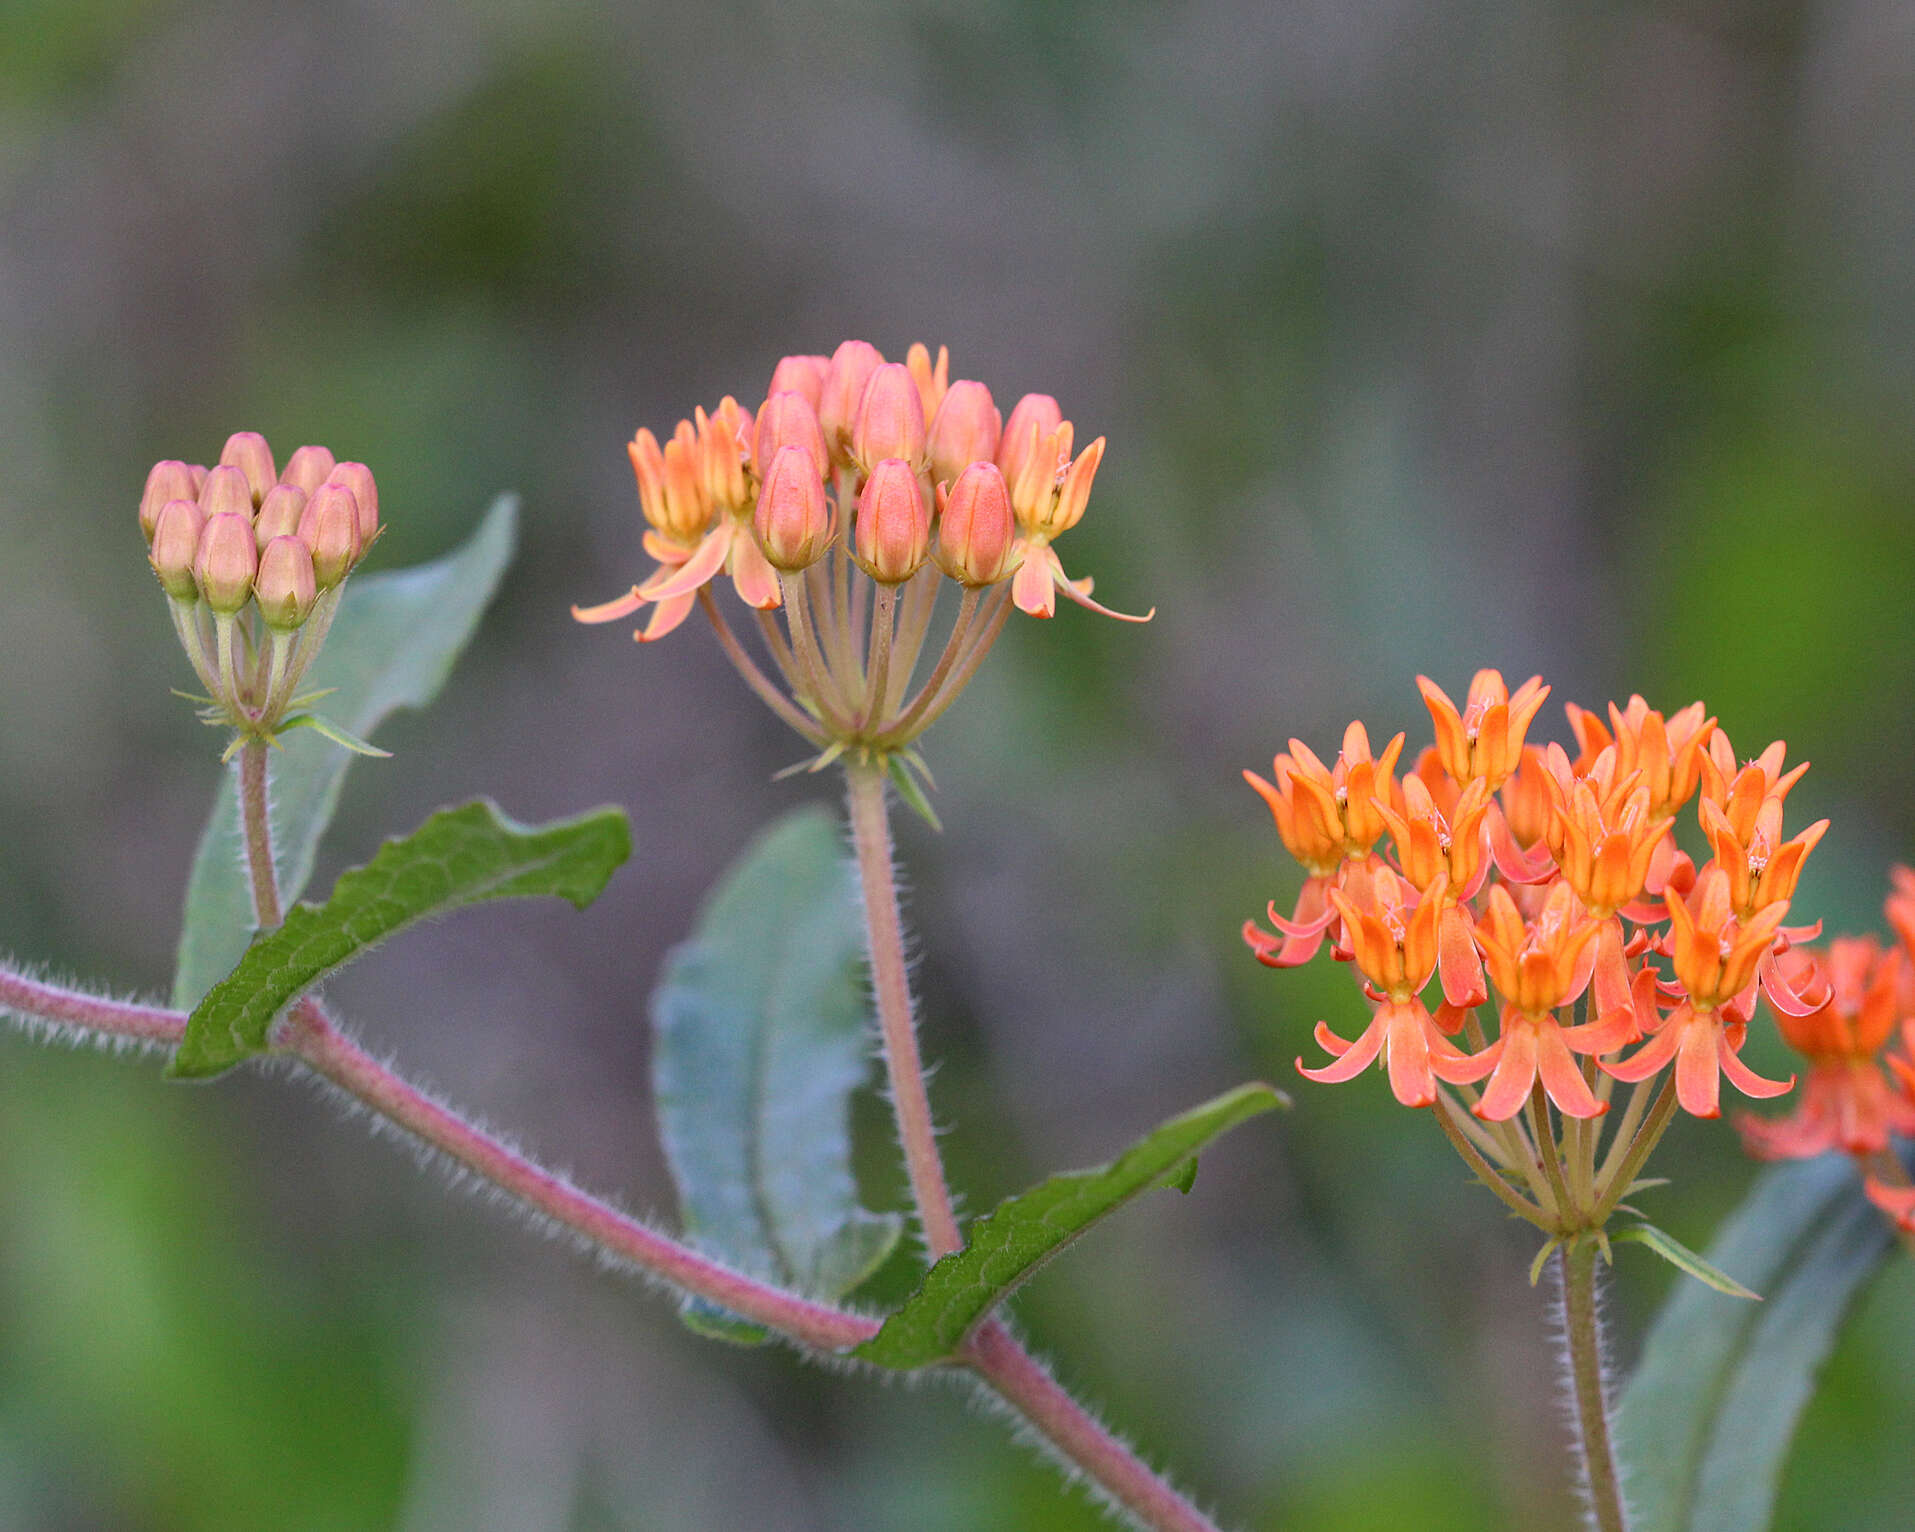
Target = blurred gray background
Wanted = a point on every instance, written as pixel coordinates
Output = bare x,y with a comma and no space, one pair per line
1426,335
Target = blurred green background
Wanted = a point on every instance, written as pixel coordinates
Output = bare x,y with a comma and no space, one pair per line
1426,335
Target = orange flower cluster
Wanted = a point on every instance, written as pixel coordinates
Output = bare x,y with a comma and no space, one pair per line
912,467
1866,1021
1548,881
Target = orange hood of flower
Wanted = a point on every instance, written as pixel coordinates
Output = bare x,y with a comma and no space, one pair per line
1325,815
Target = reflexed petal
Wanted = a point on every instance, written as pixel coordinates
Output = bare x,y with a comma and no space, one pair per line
752,575
1746,1079
666,615
1355,1059
1034,586
1698,1082
610,611
706,561
1563,1079
1457,959
1515,1074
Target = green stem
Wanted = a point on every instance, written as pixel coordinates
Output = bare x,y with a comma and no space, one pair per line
1645,1141
1552,1161
1582,1330
256,824
1486,1172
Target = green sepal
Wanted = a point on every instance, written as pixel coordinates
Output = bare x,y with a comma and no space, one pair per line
1683,1258
337,733
903,769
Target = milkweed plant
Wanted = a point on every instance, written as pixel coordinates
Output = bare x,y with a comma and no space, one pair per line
1556,947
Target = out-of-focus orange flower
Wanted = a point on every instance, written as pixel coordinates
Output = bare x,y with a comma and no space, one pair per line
1896,1201
1485,739
1846,1102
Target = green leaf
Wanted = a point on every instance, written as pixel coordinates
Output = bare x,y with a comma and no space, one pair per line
1019,1235
457,857
391,646
1683,1258
911,791
327,729
762,1032
1705,1423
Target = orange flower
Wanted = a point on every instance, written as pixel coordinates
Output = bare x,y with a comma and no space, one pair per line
1668,753
1896,1201
1716,957
1846,1103
1432,848
1486,738
1049,489
1393,936
1601,831
699,501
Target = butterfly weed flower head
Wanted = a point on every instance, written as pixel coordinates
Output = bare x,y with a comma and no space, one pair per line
254,560
839,511
1529,934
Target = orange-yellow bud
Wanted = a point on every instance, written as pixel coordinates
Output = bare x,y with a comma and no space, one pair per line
893,534
975,526
890,421
357,477
226,492
307,468
931,380
787,419
225,561
965,430
329,526
171,480
792,520
802,375
724,437
286,586
1033,418
279,514
843,390
247,451
176,532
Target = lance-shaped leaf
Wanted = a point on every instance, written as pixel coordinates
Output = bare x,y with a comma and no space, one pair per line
1705,1423
1682,1258
392,645
763,1030
457,857
1016,1237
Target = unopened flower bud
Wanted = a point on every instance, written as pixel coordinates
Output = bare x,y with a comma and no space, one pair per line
226,492
786,419
975,527
226,561
329,526
286,586
964,431
307,469
357,477
890,421
793,519
176,532
893,534
247,451
851,367
171,480
930,380
803,375
279,514
1033,418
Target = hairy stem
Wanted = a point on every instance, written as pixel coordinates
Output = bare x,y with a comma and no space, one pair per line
1582,1329
256,824
871,837
1023,1383
38,1001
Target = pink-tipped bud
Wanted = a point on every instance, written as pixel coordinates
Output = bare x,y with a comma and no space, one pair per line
893,534
247,451
786,419
975,527
890,419
307,469
226,492
286,586
851,367
803,375
279,514
1033,418
793,518
931,380
226,561
171,480
176,532
357,477
199,478
329,526
965,430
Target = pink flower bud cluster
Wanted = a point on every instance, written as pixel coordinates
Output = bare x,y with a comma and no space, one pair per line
244,531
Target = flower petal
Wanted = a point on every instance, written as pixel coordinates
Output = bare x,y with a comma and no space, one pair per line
610,611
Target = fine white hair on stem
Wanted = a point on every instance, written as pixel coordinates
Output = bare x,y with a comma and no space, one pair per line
1557,1311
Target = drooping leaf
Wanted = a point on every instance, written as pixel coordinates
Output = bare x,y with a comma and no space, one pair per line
457,857
1705,1423
392,645
762,1032
1683,1258
1016,1237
